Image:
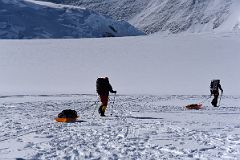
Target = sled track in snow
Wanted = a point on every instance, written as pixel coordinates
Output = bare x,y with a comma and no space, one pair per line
136,127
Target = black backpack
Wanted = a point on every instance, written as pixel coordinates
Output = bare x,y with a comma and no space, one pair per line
68,113
101,84
214,85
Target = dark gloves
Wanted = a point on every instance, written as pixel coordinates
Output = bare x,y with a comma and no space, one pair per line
115,92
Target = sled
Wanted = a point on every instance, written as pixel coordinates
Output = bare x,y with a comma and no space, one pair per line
67,116
194,106
66,120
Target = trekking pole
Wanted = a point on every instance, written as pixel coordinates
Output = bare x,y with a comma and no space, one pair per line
113,102
95,107
114,98
220,100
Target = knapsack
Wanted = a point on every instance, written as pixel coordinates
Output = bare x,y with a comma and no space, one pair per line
101,84
214,85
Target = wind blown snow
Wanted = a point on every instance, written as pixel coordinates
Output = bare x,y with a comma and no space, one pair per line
136,127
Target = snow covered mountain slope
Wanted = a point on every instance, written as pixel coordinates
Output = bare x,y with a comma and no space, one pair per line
187,15
172,16
30,19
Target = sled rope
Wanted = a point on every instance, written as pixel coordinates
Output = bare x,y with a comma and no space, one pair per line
205,100
95,108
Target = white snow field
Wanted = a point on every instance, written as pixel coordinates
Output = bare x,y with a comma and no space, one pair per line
27,19
60,74
136,127
156,76
176,64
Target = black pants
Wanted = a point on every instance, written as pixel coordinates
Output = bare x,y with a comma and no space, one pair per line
215,99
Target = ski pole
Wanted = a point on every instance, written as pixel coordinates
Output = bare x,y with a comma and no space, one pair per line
114,98
220,100
95,107
113,102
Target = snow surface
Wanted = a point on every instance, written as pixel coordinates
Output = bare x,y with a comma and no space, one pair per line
155,76
136,127
27,19
172,16
174,65
146,120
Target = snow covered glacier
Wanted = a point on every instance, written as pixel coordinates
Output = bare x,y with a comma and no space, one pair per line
26,19
172,16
